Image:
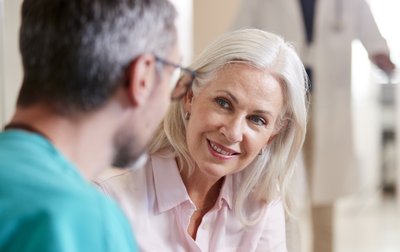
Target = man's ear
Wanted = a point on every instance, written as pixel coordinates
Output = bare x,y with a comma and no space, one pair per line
187,101
141,78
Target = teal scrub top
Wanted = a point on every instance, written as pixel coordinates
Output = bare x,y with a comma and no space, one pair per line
46,205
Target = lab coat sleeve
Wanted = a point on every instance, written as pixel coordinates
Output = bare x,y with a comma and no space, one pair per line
368,31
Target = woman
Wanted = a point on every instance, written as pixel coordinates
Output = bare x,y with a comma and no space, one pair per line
220,163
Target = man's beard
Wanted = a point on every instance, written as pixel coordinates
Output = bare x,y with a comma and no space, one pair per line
127,153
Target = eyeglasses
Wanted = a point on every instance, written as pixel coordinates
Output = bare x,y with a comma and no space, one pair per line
181,80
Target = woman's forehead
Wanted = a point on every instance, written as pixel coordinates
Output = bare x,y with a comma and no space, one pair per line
247,85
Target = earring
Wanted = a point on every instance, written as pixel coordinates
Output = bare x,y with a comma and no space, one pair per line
187,115
261,152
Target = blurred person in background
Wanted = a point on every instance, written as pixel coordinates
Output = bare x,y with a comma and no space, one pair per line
322,32
94,90
220,164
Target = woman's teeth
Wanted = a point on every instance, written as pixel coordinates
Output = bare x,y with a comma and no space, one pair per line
219,150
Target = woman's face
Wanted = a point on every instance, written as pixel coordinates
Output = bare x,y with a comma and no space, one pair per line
232,118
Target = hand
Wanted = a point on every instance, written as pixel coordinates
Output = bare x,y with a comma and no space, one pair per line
382,60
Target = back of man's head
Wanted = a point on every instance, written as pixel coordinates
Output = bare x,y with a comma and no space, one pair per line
75,52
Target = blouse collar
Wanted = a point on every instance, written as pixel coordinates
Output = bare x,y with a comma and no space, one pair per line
170,189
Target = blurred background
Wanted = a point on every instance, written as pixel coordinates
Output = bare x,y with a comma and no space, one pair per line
369,220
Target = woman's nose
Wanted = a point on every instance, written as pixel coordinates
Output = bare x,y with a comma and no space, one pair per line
233,129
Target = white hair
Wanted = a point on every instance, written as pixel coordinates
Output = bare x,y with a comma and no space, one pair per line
268,176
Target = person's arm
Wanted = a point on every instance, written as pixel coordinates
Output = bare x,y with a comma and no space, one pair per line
371,38
273,237
383,61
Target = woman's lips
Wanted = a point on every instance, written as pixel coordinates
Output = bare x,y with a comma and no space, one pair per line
221,151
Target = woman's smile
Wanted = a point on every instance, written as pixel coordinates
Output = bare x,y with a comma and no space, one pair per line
220,151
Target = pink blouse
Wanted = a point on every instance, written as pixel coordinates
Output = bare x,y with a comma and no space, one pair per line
159,209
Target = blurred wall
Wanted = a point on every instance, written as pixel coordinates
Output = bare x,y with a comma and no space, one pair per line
12,69
2,104
398,142
211,18
185,28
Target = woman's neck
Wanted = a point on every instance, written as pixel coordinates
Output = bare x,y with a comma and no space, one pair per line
204,193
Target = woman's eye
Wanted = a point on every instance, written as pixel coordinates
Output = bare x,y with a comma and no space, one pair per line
223,103
258,120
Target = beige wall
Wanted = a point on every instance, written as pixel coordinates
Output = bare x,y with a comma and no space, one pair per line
11,59
2,104
211,18
398,139
185,28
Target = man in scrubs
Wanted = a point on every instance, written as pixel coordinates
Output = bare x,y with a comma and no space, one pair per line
93,92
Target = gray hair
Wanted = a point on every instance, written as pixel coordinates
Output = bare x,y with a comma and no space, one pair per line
267,177
75,52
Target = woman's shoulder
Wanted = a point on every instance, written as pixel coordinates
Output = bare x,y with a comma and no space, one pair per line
275,212
116,177
111,173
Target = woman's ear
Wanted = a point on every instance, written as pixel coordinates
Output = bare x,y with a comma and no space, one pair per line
272,137
280,128
141,80
187,101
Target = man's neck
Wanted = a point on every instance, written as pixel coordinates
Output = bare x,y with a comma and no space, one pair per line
86,141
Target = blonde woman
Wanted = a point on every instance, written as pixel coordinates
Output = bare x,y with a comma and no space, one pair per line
217,175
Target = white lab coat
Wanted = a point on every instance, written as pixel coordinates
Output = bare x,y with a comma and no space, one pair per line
337,23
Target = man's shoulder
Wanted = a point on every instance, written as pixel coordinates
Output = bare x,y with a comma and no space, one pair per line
86,218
